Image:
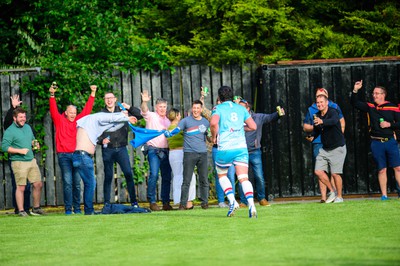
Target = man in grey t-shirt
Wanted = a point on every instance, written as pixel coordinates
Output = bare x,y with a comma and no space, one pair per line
194,153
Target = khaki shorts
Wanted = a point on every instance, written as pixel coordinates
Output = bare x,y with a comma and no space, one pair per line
24,171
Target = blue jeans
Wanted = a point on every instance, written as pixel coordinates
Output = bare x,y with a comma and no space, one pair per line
120,156
190,160
27,192
84,164
255,162
231,177
71,182
159,161
316,147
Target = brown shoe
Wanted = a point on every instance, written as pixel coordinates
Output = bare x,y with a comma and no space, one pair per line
167,207
264,202
204,206
181,207
154,207
242,205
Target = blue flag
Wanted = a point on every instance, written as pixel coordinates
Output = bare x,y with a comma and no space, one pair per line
143,135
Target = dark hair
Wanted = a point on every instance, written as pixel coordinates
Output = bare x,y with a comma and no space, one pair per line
225,93
197,102
382,88
247,103
18,110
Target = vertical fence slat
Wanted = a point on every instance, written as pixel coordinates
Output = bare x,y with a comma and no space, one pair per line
188,96
5,180
50,165
295,134
227,77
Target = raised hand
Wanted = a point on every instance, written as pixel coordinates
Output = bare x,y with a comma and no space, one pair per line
145,96
93,88
15,100
357,86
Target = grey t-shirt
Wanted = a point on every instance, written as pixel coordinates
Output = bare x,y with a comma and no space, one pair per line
194,134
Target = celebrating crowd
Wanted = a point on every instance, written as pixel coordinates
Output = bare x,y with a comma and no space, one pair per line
232,131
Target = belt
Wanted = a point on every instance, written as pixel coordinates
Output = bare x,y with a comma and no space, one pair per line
114,147
83,153
380,139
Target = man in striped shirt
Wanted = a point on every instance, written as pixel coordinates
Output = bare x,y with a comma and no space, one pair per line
384,117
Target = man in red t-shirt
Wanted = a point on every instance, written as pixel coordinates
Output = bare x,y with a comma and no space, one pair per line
65,125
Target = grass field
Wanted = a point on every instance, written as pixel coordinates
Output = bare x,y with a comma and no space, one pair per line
357,232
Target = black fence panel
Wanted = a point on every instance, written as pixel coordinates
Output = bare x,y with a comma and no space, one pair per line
287,155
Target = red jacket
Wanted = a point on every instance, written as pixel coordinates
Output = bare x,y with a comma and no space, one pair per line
65,129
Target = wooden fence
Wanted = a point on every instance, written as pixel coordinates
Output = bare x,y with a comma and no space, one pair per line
286,155
179,88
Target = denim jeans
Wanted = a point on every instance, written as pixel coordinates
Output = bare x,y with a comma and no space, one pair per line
231,177
255,162
158,161
84,164
71,182
120,156
190,160
27,192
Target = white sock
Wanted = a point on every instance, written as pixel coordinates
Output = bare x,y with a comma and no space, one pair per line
226,186
248,192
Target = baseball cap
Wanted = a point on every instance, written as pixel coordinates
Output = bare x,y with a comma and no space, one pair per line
321,91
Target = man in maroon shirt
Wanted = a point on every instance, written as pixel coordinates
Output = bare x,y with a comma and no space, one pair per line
65,125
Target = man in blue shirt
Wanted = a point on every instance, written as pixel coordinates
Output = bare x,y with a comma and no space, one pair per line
227,125
195,153
308,127
253,140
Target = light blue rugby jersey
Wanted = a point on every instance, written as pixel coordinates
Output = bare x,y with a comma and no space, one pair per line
231,132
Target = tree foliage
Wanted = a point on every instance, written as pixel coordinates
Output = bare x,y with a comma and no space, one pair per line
83,42
237,31
86,40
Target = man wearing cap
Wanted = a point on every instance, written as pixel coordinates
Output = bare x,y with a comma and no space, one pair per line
308,127
384,118
253,140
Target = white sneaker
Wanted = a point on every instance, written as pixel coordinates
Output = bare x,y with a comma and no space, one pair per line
232,208
223,205
338,200
331,197
252,212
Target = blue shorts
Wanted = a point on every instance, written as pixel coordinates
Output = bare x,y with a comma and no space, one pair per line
385,152
225,159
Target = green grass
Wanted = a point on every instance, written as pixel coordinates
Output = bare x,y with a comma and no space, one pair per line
362,232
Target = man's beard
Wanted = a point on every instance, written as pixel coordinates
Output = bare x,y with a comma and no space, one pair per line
19,124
